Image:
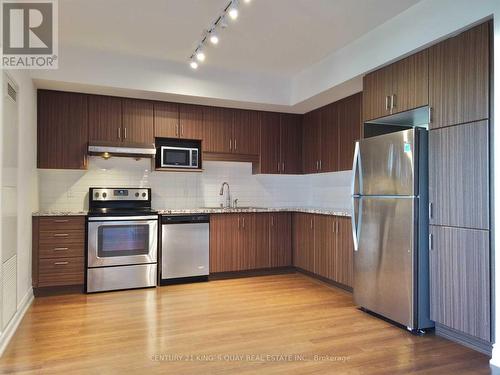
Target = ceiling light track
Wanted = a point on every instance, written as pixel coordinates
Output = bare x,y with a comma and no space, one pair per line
212,33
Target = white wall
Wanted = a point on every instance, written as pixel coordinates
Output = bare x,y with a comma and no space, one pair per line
68,190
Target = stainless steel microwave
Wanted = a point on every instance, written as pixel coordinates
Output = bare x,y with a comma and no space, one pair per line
180,157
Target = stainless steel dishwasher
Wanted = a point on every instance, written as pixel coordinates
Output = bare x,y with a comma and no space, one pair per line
184,248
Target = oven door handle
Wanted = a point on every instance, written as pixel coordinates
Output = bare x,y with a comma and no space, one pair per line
123,218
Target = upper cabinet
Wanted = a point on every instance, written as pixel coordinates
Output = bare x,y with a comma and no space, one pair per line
280,143
246,132
329,136
117,120
62,130
166,120
191,121
459,78
397,88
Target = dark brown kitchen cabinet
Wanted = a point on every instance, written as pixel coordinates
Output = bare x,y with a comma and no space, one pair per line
280,239
58,251
224,243
246,132
166,120
459,176
303,241
218,127
62,130
138,125
329,139
280,143
291,143
191,122
258,229
349,123
270,143
459,78
460,280
396,88
324,244
105,119
311,151
344,253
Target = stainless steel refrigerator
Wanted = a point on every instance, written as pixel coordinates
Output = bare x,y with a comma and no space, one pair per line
390,227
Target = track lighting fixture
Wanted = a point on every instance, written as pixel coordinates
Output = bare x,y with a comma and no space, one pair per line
211,34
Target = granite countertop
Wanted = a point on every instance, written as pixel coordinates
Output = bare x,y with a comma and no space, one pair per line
216,210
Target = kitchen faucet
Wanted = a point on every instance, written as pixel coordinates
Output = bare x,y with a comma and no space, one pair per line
227,204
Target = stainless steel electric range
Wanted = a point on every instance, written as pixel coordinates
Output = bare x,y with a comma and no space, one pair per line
122,239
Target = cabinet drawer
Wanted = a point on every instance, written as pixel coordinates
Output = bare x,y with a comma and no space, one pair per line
61,271
62,223
69,250
61,237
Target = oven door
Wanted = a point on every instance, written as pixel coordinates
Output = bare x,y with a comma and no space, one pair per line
175,157
115,241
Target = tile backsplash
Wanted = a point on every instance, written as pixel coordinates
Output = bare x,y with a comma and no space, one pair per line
68,190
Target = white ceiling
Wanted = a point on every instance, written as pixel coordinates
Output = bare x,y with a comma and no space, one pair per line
279,37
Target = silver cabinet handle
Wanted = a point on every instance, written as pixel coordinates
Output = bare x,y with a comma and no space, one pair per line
278,167
283,167
430,115
430,242
337,226
61,235
320,165
393,101
61,248
317,165
182,130
243,222
334,226
124,133
60,263
177,130
120,133
430,210
238,222
235,145
272,220
230,144
311,223
61,221
387,103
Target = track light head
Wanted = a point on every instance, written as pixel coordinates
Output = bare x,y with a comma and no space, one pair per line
193,64
214,38
200,55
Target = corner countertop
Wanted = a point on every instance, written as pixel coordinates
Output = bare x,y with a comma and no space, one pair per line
214,210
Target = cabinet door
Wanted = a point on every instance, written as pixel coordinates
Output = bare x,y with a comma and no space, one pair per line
245,254
459,78
218,127
62,130
324,236
376,87
138,126
166,120
329,141
291,143
458,176
246,132
280,239
270,143
460,280
311,147
349,112
224,243
303,241
191,122
105,119
344,253
259,239
410,82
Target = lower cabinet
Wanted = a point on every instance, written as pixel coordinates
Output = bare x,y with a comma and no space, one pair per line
240,242
460,280
322,245
58,251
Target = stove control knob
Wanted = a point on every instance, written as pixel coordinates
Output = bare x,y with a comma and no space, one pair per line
104,195
144,195
97,195
137,195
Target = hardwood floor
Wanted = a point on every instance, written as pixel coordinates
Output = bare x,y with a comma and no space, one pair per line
156,330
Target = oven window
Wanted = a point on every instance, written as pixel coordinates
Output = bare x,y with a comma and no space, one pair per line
122,240
176,157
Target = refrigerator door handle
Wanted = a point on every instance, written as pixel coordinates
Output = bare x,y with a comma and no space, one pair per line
356,220
356,171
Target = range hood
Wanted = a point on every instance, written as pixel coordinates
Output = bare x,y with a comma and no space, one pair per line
133,150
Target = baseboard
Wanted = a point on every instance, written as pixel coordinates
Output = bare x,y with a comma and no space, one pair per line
324,279
251,273
11,328
464,339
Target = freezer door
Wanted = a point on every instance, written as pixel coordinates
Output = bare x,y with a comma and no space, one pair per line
383,264
386,164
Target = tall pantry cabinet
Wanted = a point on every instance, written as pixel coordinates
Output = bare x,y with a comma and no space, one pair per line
459,187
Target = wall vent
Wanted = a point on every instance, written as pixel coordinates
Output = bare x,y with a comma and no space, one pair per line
11,92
